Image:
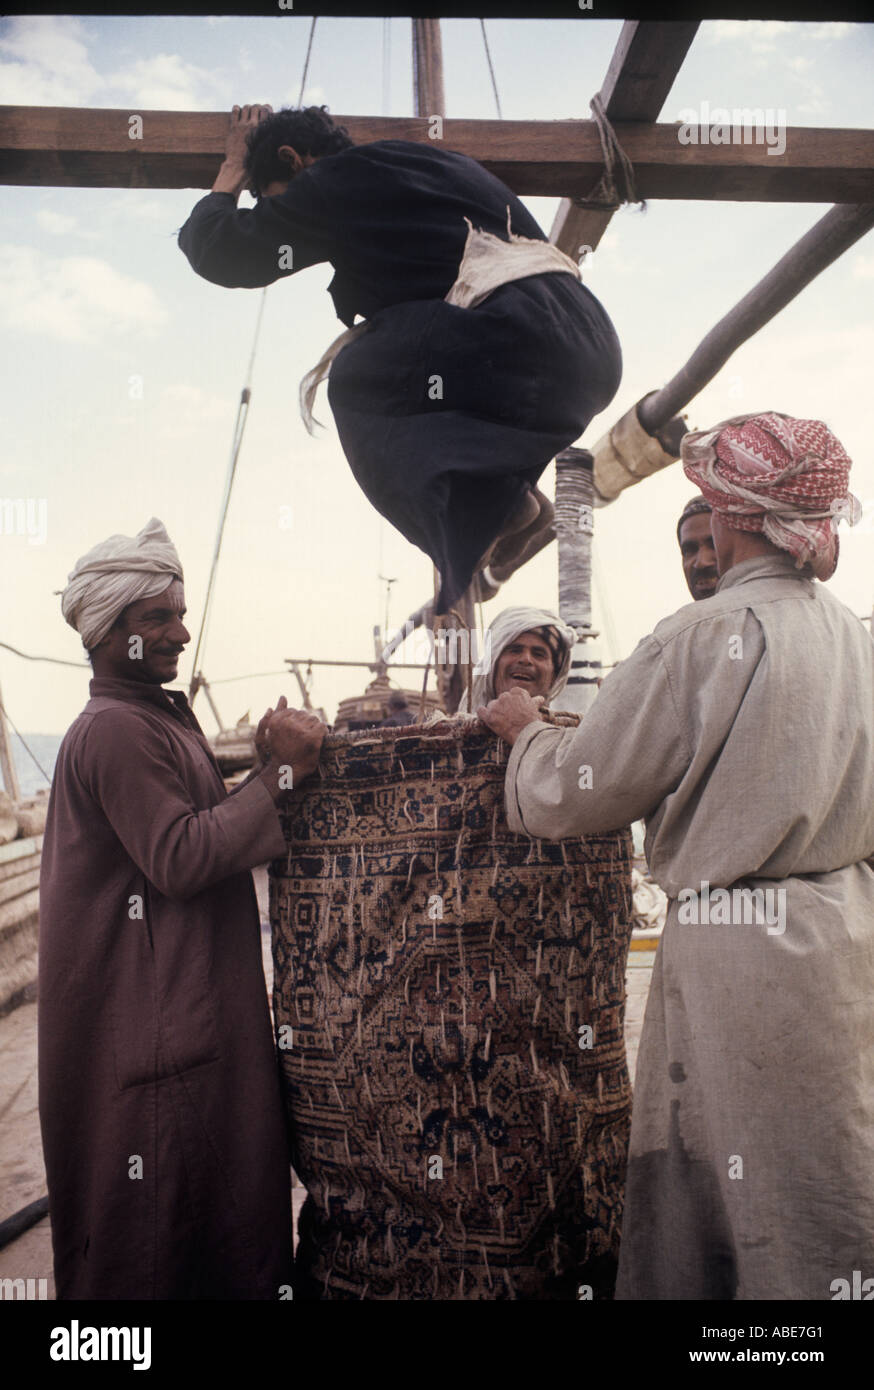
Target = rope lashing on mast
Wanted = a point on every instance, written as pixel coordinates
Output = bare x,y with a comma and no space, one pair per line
616,186
626,454
574,520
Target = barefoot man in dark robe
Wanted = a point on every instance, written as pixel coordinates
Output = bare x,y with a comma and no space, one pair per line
481,354
162,1122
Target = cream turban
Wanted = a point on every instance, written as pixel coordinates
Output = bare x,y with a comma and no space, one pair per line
506,627
117,572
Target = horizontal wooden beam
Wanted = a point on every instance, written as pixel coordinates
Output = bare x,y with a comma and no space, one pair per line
70,147
644,66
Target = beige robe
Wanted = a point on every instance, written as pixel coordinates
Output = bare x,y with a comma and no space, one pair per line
742,730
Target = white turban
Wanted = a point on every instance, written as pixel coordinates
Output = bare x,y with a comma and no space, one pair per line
506,627
117,572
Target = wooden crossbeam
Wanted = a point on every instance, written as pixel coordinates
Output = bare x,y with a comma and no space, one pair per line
70,147
645,63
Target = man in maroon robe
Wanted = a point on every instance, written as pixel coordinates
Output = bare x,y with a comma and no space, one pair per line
162,1120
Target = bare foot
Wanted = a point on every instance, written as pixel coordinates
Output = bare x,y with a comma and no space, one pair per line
519,523
509,548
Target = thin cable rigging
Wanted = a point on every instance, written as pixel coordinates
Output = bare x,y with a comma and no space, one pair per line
306,65
55,661
482,25
248,676
386,64
239,430
6,715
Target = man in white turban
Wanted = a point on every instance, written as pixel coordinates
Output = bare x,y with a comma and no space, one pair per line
116,573
528,648
162,1121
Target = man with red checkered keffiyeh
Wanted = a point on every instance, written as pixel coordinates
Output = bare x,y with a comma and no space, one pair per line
742,731
777,477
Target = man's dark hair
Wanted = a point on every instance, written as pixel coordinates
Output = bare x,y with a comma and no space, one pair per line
397,701
694,507
308,129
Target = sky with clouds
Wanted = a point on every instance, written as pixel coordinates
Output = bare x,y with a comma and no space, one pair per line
123,370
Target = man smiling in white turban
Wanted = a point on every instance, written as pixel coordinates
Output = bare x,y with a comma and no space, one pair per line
528,648
116,573
162,1122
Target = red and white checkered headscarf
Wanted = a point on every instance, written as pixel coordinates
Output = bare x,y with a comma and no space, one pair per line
783,477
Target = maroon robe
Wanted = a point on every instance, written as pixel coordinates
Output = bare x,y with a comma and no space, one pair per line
155,1042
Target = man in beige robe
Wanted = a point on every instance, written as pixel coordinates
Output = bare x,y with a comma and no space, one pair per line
742,731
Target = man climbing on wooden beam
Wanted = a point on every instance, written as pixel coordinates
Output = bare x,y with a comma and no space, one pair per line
481,354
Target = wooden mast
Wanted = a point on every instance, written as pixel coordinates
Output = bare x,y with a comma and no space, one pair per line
428,94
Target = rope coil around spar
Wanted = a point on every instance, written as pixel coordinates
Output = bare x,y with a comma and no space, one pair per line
574,525
616,186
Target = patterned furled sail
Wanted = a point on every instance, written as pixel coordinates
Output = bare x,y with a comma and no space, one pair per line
449,999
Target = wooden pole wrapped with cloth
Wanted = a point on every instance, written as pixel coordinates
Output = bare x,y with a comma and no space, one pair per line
449,1000
574,529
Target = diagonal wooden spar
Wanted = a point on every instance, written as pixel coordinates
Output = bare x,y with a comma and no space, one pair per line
827,239
644,66
823,244
79,147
